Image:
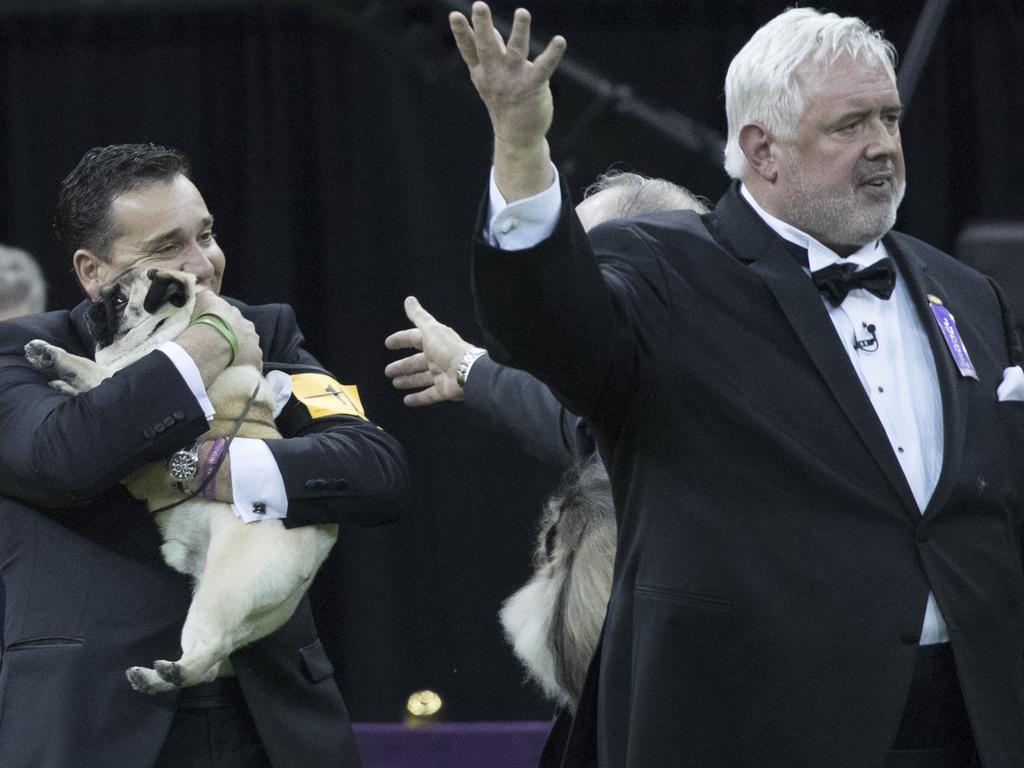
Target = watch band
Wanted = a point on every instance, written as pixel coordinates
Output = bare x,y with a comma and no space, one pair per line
210,469
462,370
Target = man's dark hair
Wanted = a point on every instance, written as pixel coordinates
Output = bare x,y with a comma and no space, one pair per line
82,219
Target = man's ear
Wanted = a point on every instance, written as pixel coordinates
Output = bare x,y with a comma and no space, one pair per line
758,148
91,271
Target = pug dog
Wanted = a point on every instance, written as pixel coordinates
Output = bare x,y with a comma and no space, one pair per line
554,621
248,578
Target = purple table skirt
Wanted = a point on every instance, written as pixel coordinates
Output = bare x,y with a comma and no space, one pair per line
452,745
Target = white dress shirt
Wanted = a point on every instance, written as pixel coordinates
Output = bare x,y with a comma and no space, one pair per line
899,376
256,481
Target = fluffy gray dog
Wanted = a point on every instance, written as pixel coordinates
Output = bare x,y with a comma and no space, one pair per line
554,621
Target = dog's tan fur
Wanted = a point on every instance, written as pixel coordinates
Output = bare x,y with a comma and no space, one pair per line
248,578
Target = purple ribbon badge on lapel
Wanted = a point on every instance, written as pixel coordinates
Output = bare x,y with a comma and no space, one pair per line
947,324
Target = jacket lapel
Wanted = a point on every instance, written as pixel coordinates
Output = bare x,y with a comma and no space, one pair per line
920,283
743,232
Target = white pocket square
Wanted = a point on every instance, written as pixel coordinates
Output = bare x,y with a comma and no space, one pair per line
1012,385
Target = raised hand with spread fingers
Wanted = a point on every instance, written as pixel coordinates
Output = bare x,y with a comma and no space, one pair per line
517,95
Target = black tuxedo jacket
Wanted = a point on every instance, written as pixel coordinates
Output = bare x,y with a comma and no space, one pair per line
88,594
773,567
510,401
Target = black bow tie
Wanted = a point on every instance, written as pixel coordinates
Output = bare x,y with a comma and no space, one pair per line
837,280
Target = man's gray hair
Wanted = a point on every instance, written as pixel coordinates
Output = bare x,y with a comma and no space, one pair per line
762,84
641,194
21,281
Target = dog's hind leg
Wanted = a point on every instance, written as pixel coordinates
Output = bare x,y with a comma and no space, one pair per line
145,680
255,576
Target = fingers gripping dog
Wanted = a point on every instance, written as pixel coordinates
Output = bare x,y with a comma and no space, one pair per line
248,578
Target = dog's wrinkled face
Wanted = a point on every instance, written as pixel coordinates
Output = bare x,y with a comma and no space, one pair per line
140,310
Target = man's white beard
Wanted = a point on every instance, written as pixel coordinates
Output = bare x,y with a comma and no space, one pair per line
842,219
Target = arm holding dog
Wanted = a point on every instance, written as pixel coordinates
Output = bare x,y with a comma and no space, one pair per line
336,465
146,411
71,450
209,349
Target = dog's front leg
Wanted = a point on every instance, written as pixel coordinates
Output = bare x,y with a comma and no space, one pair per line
74,374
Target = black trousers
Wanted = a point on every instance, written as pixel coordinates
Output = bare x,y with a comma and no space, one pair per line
935,731
212,728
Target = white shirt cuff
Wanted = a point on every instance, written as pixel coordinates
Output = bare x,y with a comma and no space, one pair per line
523,223
256,483
189,371
281,384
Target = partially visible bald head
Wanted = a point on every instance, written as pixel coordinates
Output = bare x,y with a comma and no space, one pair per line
22,286
619,195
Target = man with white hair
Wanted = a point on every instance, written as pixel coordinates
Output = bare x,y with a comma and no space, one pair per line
806,417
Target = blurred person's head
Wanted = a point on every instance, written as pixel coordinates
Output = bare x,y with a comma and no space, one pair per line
620,194
22,286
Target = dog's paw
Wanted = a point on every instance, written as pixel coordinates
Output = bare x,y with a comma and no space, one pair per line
171,672
63,387
147,681
40,354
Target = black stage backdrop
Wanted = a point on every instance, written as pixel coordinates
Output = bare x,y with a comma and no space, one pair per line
343,152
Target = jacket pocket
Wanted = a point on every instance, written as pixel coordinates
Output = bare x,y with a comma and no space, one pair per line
683,597
42,642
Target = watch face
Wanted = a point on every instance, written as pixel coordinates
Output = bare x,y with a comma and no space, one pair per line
183,464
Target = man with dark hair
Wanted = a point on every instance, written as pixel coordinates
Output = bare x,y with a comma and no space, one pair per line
88,594
82,219
808,420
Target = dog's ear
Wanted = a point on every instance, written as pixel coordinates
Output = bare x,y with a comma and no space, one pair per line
163,289
102,316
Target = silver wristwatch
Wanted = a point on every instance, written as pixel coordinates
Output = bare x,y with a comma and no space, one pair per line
183,467
462,370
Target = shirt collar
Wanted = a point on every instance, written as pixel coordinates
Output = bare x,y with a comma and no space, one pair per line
818,255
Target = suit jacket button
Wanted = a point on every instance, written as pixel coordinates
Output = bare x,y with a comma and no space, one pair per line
922,535
148,433
159,427
169,421
311,484
178,415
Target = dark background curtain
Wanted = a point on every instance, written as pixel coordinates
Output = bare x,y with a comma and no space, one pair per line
343,152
